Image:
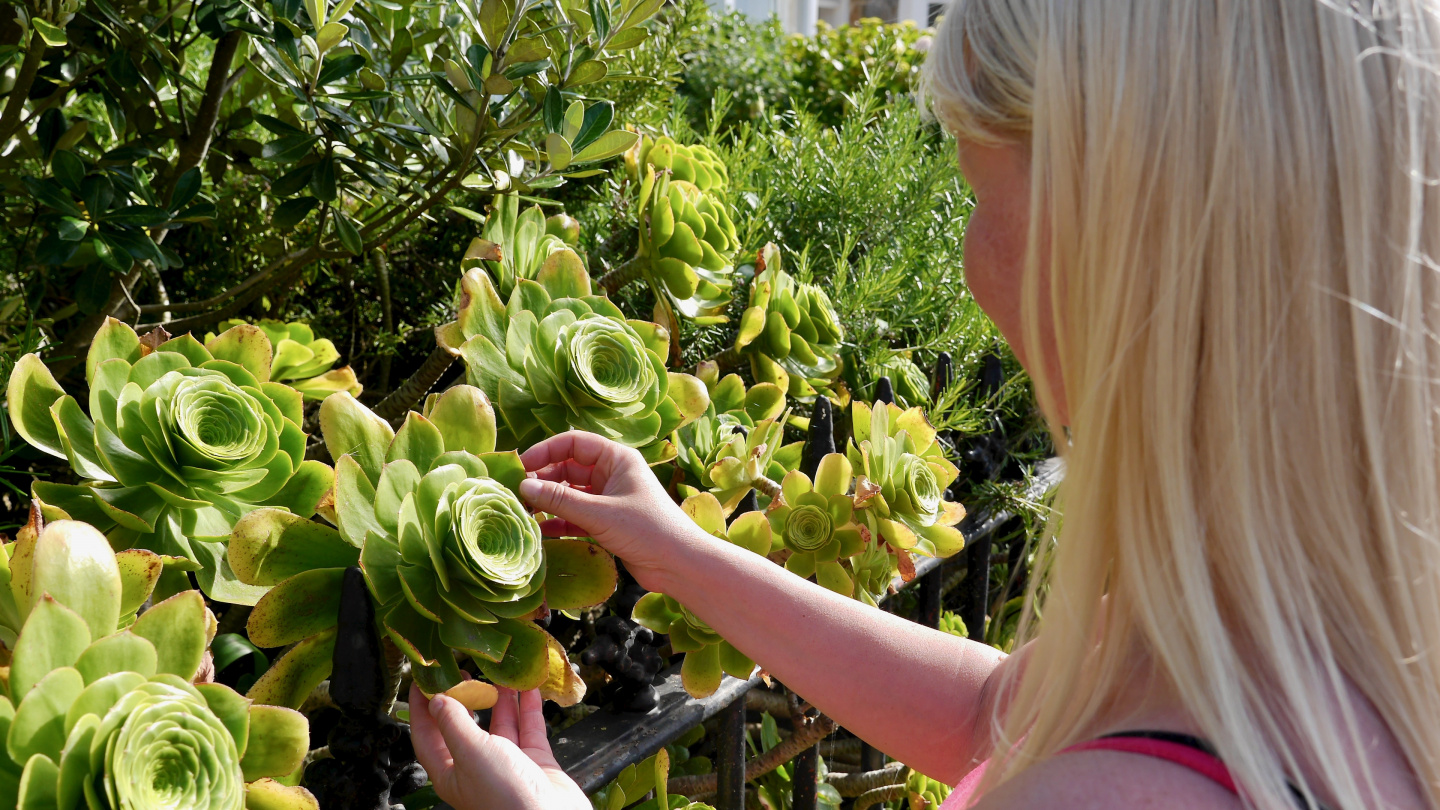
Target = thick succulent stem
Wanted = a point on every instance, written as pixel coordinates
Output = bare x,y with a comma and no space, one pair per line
728,360
770,488
402,399
806,736
879,796
856,784
629,270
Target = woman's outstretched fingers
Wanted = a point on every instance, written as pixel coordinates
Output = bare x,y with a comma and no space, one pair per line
557,499
586,448
430,747
532,725
559,527
464,739
504,717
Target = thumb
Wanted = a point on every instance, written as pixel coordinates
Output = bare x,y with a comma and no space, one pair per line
557,499
456,726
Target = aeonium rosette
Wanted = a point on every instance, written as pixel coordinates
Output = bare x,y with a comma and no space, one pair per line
708,657
100,705
743,425
180,441
902,475
813,521
557,358
454,561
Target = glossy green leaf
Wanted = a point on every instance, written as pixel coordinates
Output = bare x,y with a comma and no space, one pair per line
291,679
301,606
178,627
54,636
279,739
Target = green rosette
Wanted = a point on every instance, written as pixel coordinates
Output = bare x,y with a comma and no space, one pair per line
100,707
556,358
902,475
687,245
454,562
180,441
814,522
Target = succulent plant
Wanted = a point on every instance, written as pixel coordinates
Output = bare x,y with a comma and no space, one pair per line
184,440
649,776
872,570
515,244
708,657
301,360
557,357
687,242
909,382
742,462
694,164
790,332
453,559
814,523
99,716
902,475
924,793
954,625
722,431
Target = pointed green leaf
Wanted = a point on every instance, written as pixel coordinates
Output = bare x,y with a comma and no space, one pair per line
75,564
39,724
526,659
30,393
232,709
100,695
465,419
353,429
578,574
246,346
291,679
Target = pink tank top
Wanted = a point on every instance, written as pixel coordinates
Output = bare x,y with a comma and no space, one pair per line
1183,750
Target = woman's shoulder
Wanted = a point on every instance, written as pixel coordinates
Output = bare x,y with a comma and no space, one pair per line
1109,780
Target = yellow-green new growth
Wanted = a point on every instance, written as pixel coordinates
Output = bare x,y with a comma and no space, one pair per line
902,475
687,236
790,332
301,360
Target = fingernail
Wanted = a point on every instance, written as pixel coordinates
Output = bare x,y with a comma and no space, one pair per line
435,704
530,488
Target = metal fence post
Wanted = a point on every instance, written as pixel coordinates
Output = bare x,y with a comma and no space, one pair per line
805,779
930,586
730,757
975,587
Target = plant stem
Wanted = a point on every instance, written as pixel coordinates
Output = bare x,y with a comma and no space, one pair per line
15,105
879,796
403,398
629,270
727,360
770,488
202,129
382,275
804,737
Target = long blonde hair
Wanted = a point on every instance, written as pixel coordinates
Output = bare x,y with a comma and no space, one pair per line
1240,204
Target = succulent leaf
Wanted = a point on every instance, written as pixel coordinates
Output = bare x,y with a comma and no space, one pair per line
791,332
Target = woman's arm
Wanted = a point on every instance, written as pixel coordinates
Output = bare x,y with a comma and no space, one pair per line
911,691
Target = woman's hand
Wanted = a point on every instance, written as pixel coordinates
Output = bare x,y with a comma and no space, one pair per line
509,768
598,488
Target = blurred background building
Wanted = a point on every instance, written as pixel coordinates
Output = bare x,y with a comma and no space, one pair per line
801,16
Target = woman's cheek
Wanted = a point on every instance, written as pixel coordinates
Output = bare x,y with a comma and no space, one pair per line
993,275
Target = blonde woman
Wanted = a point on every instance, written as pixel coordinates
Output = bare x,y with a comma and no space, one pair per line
1209,229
